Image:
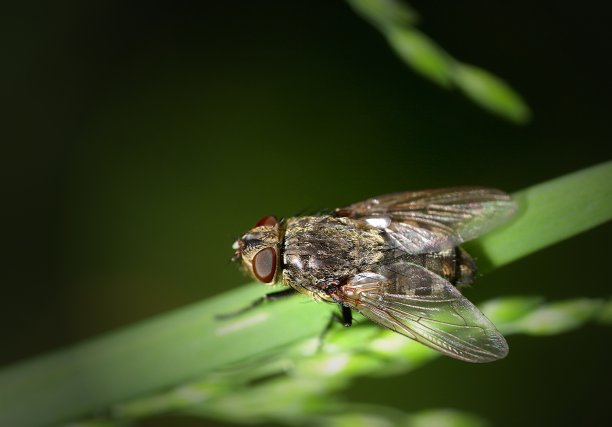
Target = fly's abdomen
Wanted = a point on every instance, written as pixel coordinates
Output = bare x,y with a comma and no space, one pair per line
465,268
454,265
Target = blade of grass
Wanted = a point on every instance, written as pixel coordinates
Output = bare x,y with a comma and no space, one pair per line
549,213
188,343
153,354
306,387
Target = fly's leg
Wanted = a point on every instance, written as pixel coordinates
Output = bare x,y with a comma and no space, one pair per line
331,288
273,296
346,318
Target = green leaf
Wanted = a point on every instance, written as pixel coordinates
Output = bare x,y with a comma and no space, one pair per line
507,310
385,13
491,92
422,54
559,317
446,418
396,20
176,347
549,213
605,315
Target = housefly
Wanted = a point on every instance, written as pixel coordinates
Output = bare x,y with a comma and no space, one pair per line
395,259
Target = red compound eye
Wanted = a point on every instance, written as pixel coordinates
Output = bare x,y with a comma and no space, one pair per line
264,265
268,221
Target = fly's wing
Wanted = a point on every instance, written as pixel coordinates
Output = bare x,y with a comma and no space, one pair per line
434,220
417,303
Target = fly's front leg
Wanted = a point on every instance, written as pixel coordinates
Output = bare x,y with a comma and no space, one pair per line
273,296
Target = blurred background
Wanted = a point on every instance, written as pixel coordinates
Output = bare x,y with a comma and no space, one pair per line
140,139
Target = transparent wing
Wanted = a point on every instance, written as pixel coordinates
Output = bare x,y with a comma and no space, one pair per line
417,303
434,220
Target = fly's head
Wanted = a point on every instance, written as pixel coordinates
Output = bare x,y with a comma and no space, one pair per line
258,250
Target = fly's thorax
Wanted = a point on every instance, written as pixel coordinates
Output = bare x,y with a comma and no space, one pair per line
320,249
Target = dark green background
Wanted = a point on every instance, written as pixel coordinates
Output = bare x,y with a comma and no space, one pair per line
142,139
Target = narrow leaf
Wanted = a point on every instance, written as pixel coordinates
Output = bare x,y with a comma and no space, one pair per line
422,54
491,92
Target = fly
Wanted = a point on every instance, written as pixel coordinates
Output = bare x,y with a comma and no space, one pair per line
396,259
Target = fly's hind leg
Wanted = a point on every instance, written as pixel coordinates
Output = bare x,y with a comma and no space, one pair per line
273,296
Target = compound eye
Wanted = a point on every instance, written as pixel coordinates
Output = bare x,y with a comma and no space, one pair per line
268,221
264,265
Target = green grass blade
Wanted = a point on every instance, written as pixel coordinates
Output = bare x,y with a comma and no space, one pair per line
549,213
422,54
148,356
490,92
188,343
307,391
